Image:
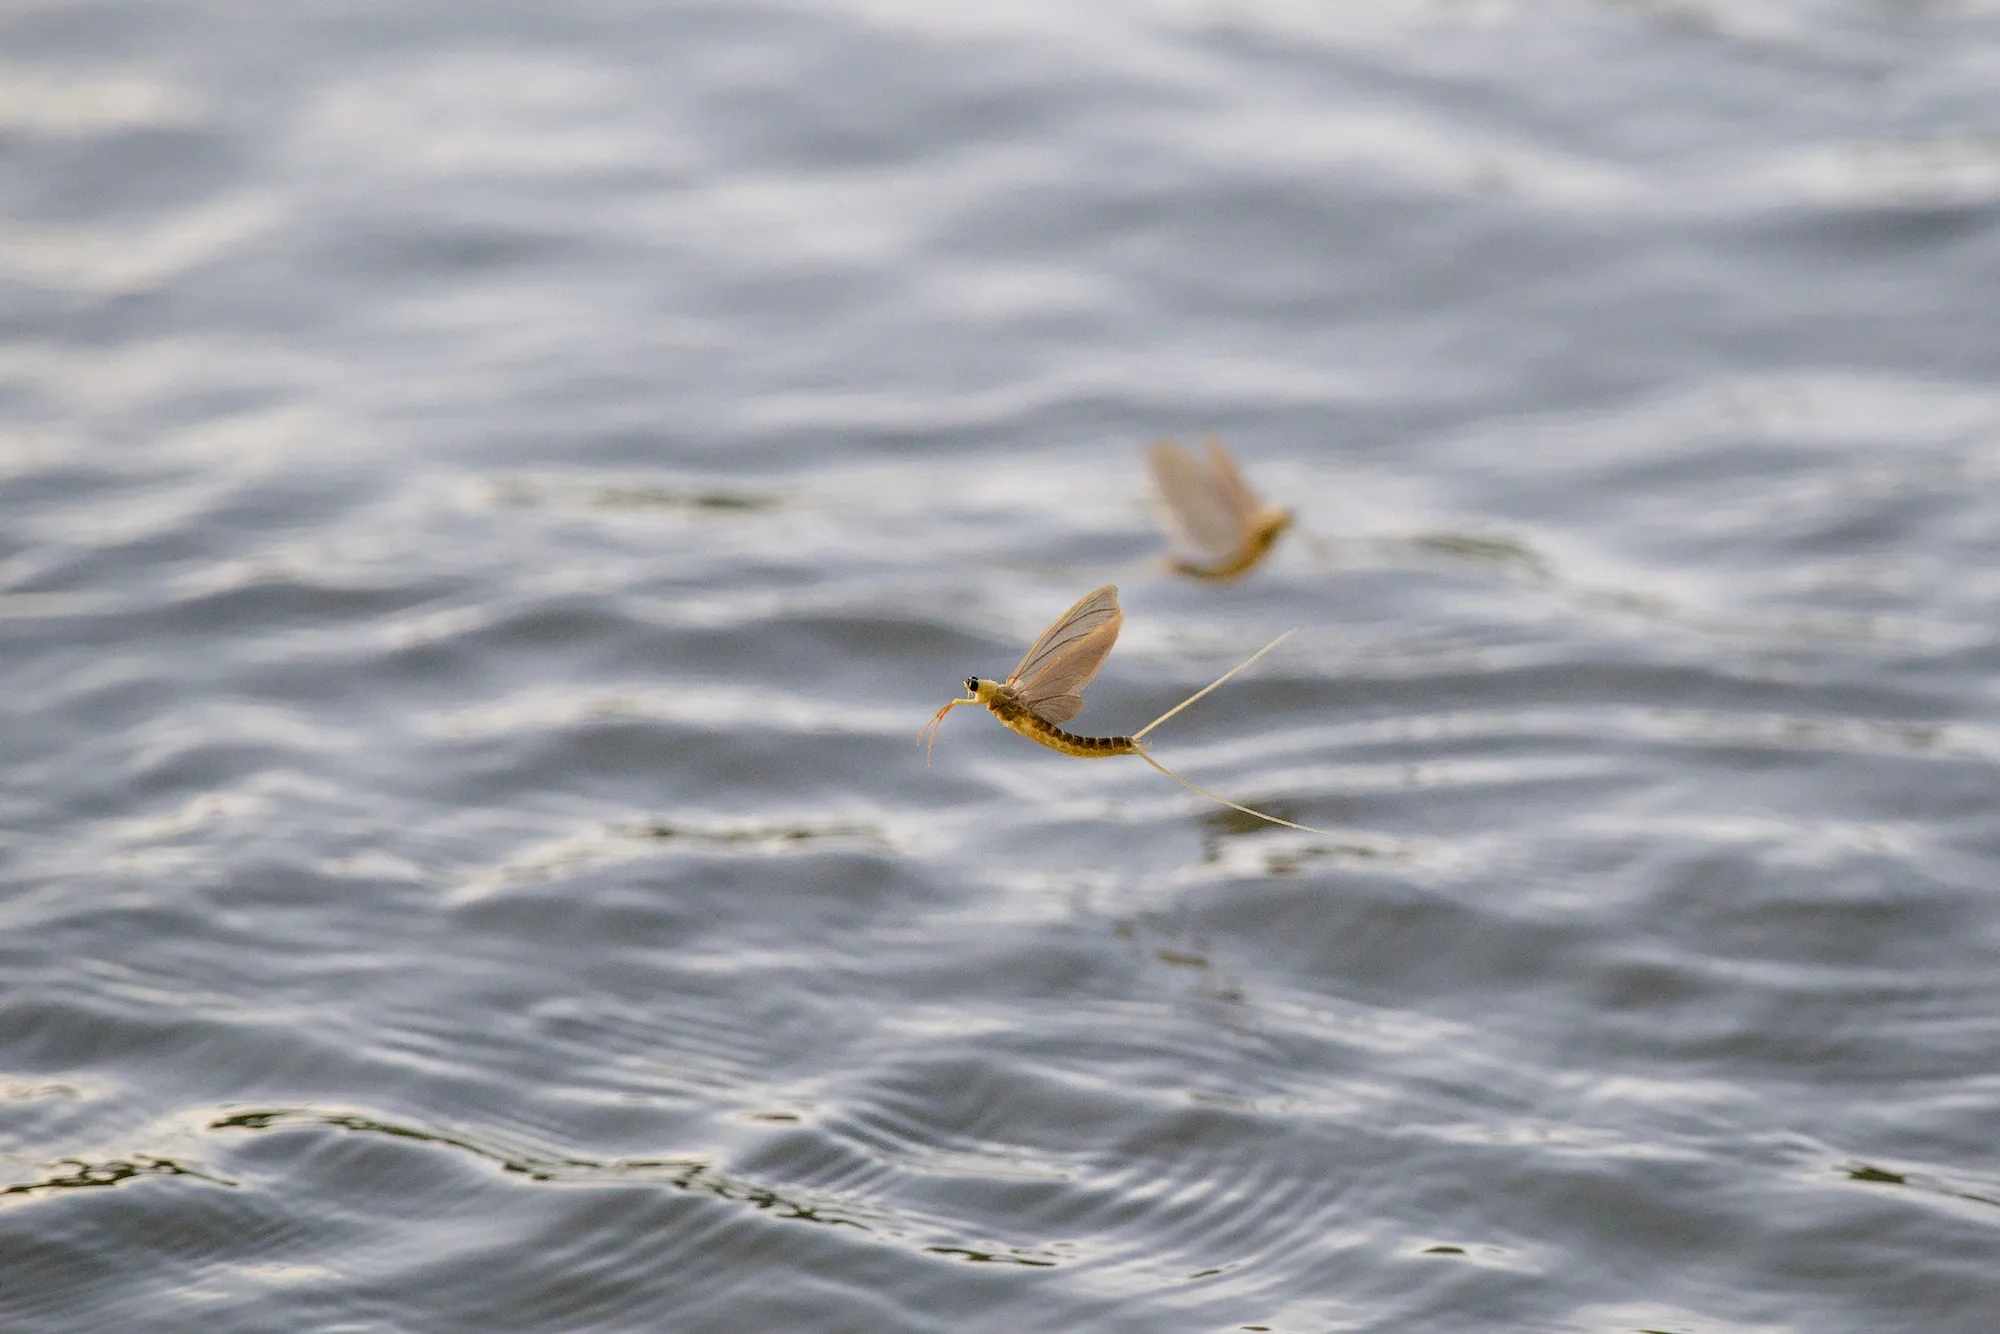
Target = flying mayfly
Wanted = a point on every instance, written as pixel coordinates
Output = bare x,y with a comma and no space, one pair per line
1045,690
1220,529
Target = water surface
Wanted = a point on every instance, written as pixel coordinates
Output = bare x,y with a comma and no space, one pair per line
489,494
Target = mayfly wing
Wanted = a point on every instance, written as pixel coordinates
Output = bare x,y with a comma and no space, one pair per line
1058,709
1055,691
1052,674
1199,513
1230,488
1090,611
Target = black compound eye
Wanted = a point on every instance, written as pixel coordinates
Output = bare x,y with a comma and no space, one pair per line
972,685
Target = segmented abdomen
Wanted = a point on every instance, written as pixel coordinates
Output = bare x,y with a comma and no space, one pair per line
1069,743
1089,746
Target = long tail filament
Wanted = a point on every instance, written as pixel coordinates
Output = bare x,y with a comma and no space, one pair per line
1212,685
1202,791
1143,754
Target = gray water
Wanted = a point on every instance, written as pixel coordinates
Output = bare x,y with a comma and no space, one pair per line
492,491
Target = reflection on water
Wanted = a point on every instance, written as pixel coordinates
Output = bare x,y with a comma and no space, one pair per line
635,496
71,1174
681,1174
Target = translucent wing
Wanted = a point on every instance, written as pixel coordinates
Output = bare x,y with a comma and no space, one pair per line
1055,693
1091,611
1058,709
1208,506
1052,674
1233,491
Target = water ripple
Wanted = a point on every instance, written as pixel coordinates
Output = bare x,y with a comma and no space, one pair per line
487,512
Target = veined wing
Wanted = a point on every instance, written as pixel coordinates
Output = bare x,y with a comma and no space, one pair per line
1208,506
1055,693
1057,709
1052,674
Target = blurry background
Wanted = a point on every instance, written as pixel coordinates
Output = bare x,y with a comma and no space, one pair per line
491,492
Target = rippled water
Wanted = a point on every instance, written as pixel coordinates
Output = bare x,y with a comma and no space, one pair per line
491,492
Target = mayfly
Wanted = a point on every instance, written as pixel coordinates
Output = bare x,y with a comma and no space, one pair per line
1221,530
1045,690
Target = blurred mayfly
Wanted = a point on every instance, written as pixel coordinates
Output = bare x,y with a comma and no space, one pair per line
1220,529
1045,690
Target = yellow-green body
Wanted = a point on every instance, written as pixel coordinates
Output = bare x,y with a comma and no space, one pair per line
1007,707
1270,525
